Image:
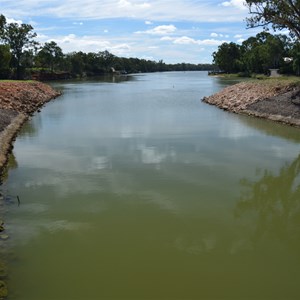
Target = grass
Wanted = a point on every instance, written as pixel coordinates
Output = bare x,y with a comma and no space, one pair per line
282,80
293,79
11,80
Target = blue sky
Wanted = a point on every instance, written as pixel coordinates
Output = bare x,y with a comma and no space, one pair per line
172,30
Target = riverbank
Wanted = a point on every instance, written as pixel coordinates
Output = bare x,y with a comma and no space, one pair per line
277,100
18,101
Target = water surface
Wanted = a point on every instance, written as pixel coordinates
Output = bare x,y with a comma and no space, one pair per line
135,189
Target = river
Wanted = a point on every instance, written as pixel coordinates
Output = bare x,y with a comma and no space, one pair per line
132,188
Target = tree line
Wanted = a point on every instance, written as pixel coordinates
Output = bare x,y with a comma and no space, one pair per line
259,54
265,51
21,56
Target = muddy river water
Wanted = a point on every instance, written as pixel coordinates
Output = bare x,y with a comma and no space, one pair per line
132,188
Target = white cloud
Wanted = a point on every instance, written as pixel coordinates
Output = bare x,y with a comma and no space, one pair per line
211,42
124,3
226,3
221,35
41,36
33,23
160,30
240,4
183,28
128,4
11,20
240,38
167,38
185,40
147,57
69,38
72,42
155,10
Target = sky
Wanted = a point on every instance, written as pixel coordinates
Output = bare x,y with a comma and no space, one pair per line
174,31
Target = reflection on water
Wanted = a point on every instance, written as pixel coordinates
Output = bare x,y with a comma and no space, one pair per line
275,202
272,128
11,164
138,190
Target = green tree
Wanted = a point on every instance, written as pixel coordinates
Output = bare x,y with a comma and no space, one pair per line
50,55
281,14
5,55
295,53
227,57
20,38
94,63
107,60
5,58
2,25
264,51
77,63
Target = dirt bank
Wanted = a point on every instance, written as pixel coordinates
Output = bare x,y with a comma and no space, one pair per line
276,100
19,100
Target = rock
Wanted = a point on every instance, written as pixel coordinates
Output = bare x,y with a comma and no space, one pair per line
296,101
19,100
241,95
272,100
25,97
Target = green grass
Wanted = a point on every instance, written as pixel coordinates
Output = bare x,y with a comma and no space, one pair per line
11,80
260,77
293,80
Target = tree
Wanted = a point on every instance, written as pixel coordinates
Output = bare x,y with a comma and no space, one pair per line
227,57
50,55
76,63
282,14
5,58
5,55
20,38
256,54
295,53
264,51
2,24
107,60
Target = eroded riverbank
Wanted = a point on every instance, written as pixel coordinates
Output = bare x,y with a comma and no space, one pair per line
275,100
19,100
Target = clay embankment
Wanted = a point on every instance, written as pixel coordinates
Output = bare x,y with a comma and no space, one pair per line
274,100
19,100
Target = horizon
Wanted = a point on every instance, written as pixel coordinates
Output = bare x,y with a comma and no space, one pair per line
175,31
